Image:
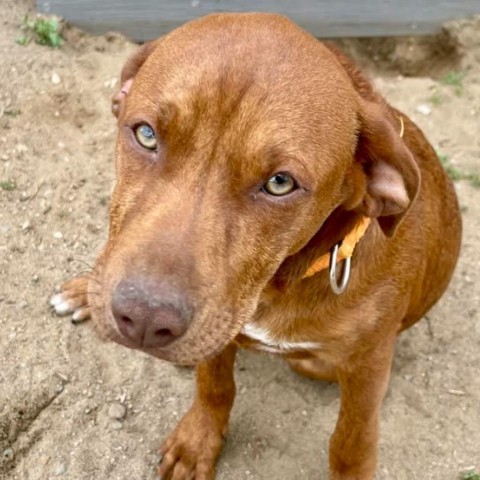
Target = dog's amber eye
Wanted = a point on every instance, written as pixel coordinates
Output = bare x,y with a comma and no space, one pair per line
280,184
146,136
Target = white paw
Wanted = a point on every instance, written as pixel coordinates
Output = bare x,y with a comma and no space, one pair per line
62,305
69,303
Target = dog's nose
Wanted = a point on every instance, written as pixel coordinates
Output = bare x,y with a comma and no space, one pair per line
150,313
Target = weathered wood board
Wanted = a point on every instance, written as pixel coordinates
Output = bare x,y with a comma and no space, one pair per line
146,19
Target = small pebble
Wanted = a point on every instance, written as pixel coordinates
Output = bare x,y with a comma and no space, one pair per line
21,148
62,377
56,78
424,109
59,469
110,83
26,226
117,411
117,425
58,235
8,454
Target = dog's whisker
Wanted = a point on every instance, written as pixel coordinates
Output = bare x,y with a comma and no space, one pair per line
89,265
85,273
93,279
103,182
89,276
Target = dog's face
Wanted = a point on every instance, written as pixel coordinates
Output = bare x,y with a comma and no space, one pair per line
236,140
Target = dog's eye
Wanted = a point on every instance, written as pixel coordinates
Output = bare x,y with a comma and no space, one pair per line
280,184
146,136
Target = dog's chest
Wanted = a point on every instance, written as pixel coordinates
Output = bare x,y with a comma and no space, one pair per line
259,338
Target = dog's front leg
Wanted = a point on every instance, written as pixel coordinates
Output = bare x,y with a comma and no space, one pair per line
353,446
192,449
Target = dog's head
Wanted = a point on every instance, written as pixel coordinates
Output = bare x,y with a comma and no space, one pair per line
238,136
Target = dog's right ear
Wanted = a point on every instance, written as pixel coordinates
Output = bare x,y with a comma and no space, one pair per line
129,71
392,176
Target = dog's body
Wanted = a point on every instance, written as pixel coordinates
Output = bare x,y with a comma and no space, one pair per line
246,150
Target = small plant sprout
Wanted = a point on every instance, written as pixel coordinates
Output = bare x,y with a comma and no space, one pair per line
456,174
42,30
470,475
8,185
455,80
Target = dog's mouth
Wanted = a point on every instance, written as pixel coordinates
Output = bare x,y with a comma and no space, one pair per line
185,351
206,337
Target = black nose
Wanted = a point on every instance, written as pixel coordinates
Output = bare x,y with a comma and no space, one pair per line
150,313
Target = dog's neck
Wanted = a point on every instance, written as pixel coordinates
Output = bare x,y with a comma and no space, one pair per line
342,226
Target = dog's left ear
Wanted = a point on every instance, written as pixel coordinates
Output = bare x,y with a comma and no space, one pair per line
391,173
129,71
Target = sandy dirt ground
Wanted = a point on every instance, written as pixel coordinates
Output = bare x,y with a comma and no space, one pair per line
74,407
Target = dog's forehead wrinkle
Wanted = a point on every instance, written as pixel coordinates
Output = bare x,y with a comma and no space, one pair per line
207,61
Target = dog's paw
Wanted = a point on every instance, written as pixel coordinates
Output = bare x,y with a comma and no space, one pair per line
72,299
191,451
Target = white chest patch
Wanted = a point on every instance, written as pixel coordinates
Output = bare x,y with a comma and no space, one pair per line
269,344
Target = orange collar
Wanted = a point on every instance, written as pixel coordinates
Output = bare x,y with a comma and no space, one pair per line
346,249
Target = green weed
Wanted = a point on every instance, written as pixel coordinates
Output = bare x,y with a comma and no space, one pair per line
455,80
435,99
456,174
12,113
470,475
8,185
42,30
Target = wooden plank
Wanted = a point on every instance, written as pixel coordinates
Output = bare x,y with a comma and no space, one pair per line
146,19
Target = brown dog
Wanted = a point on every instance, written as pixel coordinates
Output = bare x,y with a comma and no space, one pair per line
246,150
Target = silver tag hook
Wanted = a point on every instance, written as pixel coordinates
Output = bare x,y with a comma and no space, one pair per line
336,288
